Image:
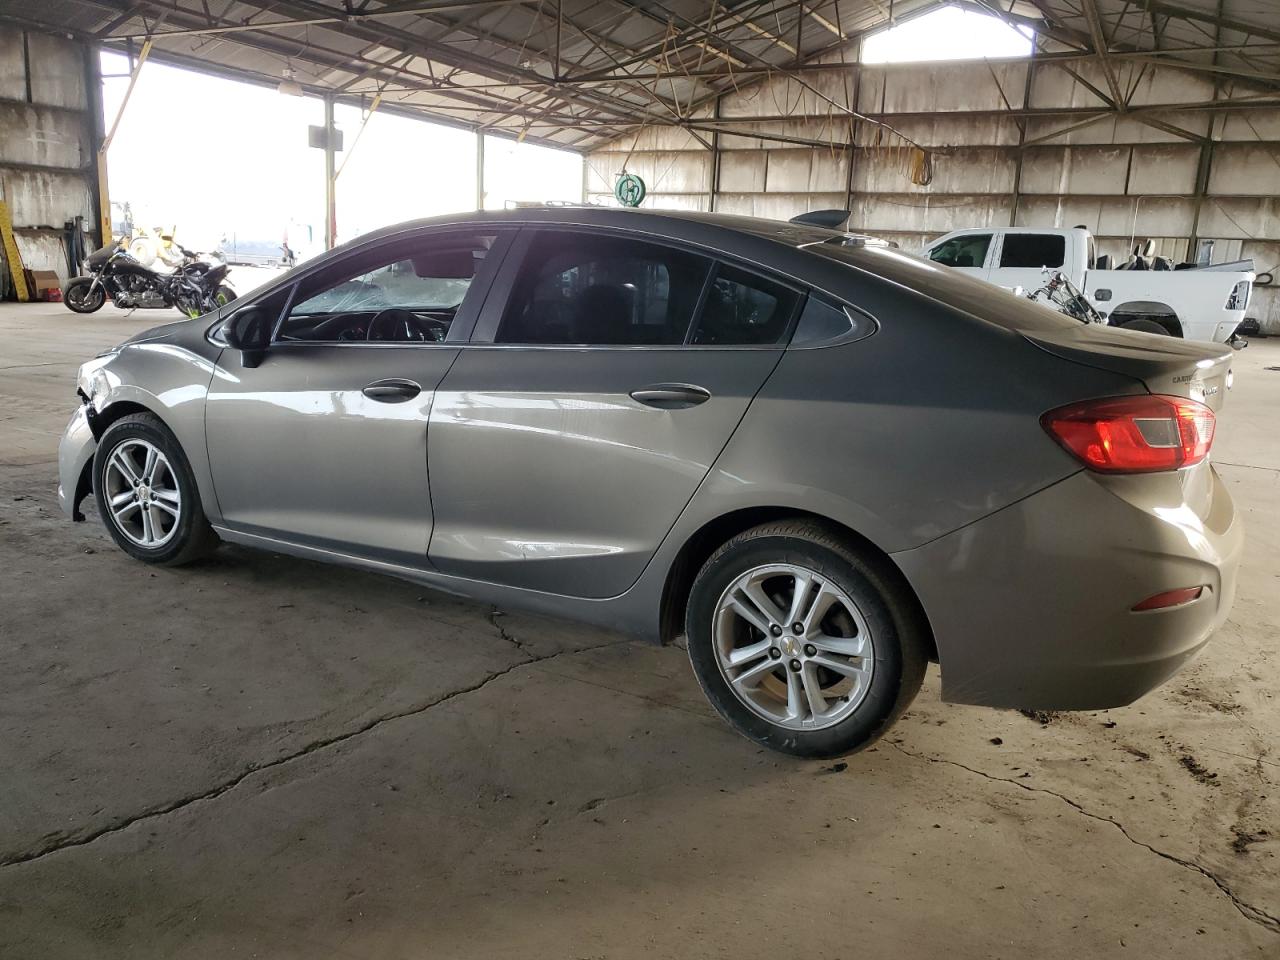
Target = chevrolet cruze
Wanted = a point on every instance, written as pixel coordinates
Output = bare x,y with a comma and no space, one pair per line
824,461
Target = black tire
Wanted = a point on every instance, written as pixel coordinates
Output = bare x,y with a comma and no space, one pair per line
81,296
223,295
1146,326
188,306
885,602
193,538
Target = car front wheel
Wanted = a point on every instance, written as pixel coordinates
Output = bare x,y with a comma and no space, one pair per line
146,493
802,642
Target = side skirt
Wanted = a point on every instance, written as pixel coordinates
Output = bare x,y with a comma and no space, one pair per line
616,614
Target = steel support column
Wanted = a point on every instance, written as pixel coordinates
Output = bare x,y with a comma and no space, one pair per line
95,129
1022,139
479,169
715,161
853,95
1205,165
330,178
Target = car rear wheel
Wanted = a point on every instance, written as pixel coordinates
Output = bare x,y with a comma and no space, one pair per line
802,642
146,493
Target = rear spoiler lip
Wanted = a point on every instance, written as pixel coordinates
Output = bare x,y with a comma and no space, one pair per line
1153,372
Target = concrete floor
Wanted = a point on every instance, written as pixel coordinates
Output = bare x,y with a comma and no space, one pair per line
264,757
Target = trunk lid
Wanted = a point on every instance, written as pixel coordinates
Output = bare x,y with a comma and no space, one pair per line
1165,365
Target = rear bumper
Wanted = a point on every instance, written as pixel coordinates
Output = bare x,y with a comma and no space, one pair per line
1224,329
75,454
1032,607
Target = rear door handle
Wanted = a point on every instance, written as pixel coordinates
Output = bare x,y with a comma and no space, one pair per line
671,396
392,391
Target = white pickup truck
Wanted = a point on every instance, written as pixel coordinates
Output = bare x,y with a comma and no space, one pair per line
1197,303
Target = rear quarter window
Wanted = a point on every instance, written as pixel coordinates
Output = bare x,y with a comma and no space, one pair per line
949,287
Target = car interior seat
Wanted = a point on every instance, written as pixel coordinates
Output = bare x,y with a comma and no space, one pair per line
603,315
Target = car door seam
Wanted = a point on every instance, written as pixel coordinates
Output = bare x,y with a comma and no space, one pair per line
710,469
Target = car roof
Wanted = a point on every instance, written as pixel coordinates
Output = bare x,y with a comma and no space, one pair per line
675,224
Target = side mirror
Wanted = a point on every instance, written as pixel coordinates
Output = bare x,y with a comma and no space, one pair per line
249,331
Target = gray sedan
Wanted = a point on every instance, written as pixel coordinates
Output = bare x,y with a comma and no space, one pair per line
826,462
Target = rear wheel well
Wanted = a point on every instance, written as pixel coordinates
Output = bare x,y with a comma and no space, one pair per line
1160,313
708,538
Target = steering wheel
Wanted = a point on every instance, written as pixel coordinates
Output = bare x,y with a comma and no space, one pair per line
403,326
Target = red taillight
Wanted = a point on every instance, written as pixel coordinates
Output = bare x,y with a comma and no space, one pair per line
1139,434
1170,598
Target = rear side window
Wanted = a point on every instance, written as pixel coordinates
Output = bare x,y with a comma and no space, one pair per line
958,290
967,251
577,288
742,309
1033,250
822,322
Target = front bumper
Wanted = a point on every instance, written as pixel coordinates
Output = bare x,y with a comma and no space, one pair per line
1032,607
75,458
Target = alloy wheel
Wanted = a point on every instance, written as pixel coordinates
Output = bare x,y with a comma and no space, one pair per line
793,646
142,493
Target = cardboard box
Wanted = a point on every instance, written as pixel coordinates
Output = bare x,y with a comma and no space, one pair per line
41,282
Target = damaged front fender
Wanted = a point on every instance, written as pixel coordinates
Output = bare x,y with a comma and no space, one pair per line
75,463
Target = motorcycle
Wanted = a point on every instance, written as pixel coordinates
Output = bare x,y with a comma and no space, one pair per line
1066,297
195,287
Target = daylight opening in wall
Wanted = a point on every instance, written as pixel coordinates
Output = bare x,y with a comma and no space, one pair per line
950,33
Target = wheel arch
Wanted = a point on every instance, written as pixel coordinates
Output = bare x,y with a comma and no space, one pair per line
706,539
1154,310
118,410
99,422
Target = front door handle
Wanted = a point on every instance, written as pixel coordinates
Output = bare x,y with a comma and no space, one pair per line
392,391
671,396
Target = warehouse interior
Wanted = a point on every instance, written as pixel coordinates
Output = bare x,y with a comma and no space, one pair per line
260,755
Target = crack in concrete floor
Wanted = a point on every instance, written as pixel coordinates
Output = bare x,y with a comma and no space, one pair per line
1247,910
503,632
68,840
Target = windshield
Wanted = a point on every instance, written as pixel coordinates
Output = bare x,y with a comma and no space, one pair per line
976,297
396,285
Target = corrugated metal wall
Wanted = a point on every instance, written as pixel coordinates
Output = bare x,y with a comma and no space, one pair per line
1120,176
47,165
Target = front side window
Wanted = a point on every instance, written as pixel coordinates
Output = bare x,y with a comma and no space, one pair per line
969,250
742,309
1033,250
579,288
407,293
